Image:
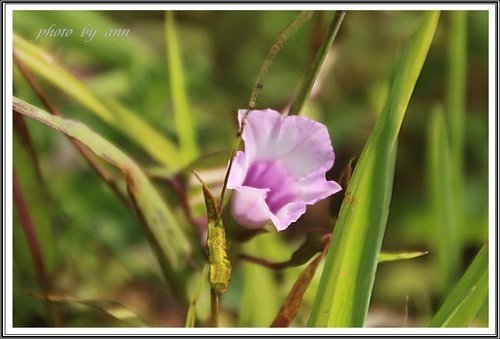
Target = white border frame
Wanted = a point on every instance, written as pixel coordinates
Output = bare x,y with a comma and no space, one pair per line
492,125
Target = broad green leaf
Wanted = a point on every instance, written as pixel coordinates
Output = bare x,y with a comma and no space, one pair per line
444,233
219,274
395,256
113,113
165,235
347,281
467,297
184,121
292,303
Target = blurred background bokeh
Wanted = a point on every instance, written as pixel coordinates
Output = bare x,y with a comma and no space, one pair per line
101,251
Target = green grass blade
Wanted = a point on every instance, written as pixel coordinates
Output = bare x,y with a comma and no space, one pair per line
313,70
129,123
395,256
183,119
455,111
166,237
467,297
346,283
443,235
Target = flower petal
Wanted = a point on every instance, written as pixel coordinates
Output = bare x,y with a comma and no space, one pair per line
300,144
238,171
288,214
314,188
249,207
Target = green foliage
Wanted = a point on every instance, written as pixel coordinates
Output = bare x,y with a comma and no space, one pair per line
112,112
446,242
184,121
101,267
467,297
165,234
344,293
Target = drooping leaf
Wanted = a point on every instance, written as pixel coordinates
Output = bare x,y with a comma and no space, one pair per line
165,235
467,297
347,281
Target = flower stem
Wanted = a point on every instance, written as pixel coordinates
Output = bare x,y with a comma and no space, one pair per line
314,68
214,308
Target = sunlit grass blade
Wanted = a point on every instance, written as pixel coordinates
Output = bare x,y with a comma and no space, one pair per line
166,237
443,233
129,123
346,283
184,121
467,297
395,256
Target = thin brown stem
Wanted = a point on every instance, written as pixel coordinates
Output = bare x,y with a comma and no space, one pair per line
34,247
259,261
296,23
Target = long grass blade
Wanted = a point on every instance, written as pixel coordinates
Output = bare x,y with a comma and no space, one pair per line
129,123
184,121
455,113
467,297
444,235
346,283
313,71
166,237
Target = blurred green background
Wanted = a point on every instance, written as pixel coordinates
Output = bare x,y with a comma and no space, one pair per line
102,253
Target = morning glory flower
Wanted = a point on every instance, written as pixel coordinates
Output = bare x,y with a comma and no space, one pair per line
281,170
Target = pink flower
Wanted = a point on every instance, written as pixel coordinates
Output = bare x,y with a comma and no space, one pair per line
281,170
